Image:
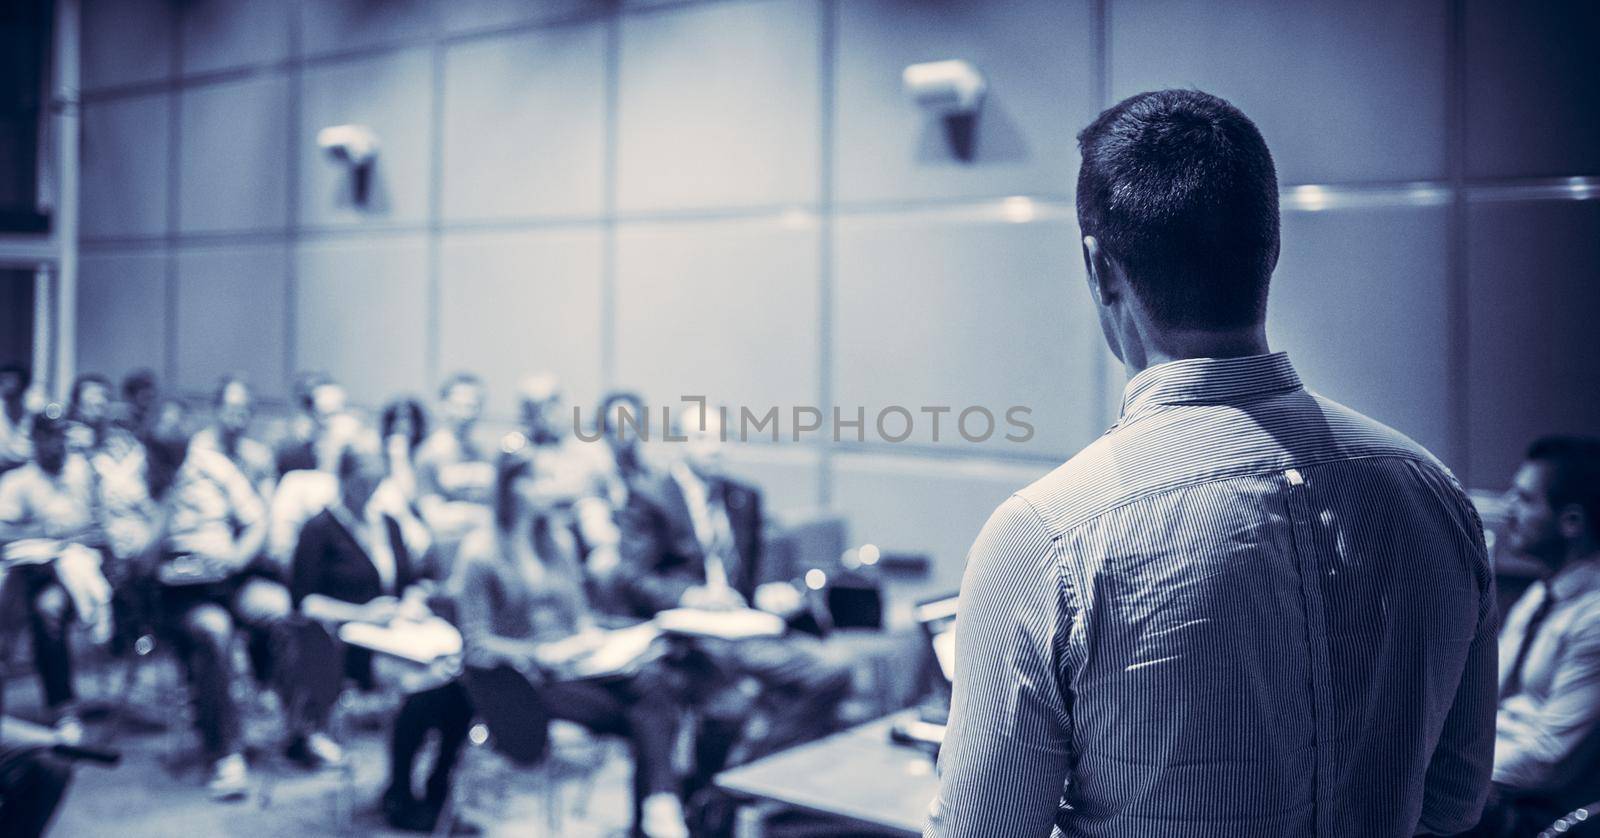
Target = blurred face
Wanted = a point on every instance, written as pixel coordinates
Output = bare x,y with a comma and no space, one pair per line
543,417
168,422
143,399
704,451
402,428
361,479
623,435
1532,525
327,401
50,450
462,405
94,403
235,409
10,386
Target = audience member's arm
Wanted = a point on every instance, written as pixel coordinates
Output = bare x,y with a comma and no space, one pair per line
249,516
643,584
1457,782
15,521
473,586
1007,752
1534,750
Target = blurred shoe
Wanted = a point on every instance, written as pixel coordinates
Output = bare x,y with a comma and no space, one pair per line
662,817
403,812
69,729
314,751
230,778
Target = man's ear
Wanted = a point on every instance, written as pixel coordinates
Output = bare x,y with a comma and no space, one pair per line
1571,521
1103,281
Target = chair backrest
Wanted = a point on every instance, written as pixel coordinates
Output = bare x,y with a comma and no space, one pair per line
513,710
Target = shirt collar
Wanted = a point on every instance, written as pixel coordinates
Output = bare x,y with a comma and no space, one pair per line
1209,381
1575,579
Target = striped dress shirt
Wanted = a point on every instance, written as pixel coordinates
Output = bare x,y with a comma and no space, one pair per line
1244,611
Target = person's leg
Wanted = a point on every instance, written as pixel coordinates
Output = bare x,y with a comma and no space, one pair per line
31,787
50,618
453,718
652,709
207,635
446,709
258,606
800,683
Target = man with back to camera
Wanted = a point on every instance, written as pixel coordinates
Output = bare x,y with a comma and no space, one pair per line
1245,610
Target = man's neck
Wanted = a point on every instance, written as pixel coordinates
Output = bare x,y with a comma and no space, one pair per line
13,409
1578,553
1167,345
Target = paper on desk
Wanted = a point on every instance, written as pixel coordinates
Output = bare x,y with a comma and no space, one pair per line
32,550
423,641
618,652
732,624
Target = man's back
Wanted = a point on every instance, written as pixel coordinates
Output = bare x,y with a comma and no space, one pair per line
1245,611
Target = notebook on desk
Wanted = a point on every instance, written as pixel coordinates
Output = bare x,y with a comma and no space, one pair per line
730,624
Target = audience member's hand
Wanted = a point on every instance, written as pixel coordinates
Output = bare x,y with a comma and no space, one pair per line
712,599
380,610
780,598
603,561
414,605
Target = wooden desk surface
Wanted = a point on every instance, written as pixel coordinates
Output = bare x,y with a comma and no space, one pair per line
857,774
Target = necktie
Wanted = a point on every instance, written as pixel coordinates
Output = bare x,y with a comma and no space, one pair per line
1529,634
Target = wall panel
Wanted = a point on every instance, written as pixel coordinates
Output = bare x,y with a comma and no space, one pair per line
720,106
231,317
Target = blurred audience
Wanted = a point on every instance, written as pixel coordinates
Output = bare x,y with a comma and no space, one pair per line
353,563
229,433
47,517
1547,733
403,425
692,538
15,417
211,525
522,603
141,392
315,430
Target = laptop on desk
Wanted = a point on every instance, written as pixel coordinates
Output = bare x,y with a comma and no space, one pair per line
937,617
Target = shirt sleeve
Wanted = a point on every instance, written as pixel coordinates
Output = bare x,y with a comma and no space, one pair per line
1006,755
1536,746
1457,782
14,498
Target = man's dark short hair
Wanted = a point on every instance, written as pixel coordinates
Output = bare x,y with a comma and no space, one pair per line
1179,188
1574,463
609,403
22,373
305,387
139,381
82,381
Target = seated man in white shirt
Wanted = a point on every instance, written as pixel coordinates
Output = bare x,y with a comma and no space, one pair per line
453,472
1547,733
46,507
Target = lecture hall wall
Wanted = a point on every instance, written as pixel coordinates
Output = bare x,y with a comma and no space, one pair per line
736,199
